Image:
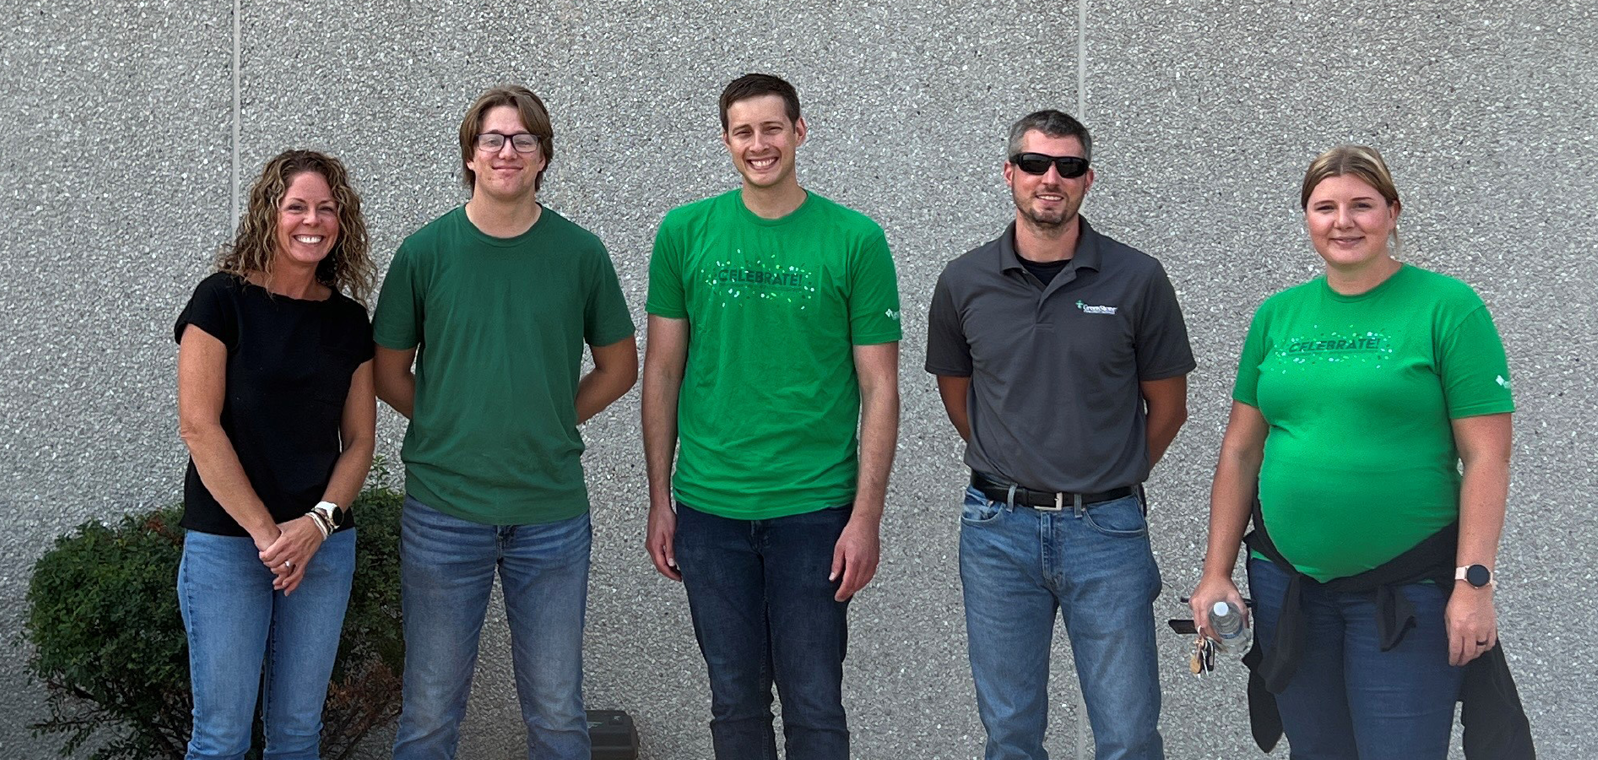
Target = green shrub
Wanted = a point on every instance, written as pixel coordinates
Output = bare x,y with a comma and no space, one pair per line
109,647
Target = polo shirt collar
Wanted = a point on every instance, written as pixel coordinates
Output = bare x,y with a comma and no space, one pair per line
1088,253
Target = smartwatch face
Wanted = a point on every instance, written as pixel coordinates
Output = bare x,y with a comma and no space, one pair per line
1477,575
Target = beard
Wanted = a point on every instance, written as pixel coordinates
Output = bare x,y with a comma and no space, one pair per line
1052,221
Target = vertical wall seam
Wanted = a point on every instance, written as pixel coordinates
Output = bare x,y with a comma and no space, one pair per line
236,111
1081,60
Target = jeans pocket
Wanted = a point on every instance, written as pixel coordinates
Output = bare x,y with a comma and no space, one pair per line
979,509
1121,517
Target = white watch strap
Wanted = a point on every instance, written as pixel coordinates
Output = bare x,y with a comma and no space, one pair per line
1459,575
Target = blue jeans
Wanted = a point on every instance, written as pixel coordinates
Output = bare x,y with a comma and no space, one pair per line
237,625
1348,699
1018,566
763,611
447,568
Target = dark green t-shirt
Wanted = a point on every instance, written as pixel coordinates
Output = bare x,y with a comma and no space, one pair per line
769,410
1359,392
499,324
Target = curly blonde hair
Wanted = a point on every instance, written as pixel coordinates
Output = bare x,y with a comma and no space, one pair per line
348,267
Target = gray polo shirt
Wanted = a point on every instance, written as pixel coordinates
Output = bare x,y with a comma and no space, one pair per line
1054,370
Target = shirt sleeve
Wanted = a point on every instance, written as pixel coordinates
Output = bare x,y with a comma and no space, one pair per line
1474,368
213,309
873,294
360,331
605,315
948,352
1162,347
666,298
397,322
1255,347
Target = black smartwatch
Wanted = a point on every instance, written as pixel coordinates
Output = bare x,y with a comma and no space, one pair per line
1475,575
336,517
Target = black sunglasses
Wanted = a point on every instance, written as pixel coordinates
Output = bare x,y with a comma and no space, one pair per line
1070,167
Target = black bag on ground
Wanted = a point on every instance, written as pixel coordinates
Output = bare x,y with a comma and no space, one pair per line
613,735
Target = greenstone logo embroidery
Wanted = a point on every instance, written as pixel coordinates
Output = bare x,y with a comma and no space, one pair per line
1502,382
892,314
1091,309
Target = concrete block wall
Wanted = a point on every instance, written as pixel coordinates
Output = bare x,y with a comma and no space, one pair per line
116,185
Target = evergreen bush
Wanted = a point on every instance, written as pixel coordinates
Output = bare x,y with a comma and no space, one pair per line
108,643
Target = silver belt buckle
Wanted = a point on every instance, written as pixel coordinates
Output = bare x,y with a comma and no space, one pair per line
1059,504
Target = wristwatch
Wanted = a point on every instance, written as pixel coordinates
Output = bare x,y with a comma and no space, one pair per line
331,512
1475,575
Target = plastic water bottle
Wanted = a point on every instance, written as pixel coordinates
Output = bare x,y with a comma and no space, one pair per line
1227,623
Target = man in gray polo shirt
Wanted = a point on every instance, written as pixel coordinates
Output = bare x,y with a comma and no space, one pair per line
1061,358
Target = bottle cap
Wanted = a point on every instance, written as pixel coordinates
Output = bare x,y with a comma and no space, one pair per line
1221,608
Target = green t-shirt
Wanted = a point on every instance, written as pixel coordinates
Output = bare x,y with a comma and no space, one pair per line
499,324
1359,392
769,410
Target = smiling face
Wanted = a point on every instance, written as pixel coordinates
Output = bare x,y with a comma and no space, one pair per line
307,220
505,174
1350,223
1047,201
762,140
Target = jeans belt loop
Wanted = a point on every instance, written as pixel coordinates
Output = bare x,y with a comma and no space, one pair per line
1076,504
1010,499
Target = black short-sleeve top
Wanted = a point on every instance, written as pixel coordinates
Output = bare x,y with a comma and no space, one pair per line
289,364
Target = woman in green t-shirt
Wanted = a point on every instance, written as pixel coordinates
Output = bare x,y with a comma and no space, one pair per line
1358,395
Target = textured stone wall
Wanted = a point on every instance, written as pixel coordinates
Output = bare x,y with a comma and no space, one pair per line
116,185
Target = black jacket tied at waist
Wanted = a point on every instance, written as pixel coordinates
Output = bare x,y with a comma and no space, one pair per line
1495,723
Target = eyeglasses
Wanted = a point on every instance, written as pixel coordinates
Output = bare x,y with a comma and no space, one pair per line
1070,167
523,142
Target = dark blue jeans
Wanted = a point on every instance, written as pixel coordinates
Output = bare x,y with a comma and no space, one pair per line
763,611
1349,700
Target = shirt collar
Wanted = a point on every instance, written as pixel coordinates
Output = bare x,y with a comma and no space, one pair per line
1087,256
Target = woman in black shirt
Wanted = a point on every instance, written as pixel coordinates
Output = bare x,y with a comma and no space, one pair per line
276,405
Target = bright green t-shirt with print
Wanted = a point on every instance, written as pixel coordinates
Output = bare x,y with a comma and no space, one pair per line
768,414
499,326
1359,393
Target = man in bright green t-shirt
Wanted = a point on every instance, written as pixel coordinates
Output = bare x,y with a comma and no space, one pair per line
773,339
493,303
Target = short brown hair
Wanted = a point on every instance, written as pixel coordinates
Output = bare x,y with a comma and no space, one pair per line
1052,123
756,85
348,266
535,117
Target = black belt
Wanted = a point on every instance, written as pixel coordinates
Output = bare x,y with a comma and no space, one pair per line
1048,501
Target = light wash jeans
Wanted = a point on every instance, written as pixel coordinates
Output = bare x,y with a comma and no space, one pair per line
447,568
237,624
1019,566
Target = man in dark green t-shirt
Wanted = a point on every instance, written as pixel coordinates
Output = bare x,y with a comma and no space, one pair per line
493,302
773,339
